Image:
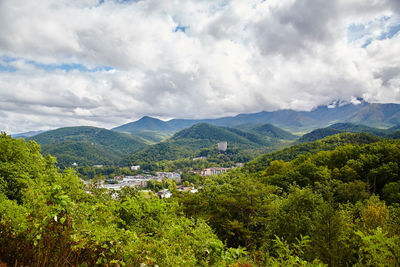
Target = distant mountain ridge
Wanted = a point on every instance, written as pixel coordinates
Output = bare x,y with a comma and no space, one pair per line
145,123
27,134
369,114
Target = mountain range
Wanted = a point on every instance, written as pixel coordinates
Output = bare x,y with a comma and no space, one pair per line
96,146
151,139
369,114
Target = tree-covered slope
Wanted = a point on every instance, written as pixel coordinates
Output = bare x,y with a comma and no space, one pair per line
189,142
341,128
337,207
269,130
211,133
151,137
48,218
318,134
87,145
358,128
328,143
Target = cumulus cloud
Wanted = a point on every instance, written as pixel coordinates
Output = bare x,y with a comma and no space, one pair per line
104,63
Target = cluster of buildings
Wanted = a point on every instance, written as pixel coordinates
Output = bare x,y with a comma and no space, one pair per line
141,180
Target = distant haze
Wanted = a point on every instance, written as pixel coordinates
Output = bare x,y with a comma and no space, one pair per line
109,62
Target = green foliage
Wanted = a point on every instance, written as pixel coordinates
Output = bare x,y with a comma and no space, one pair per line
378,249
151,137
291,255
53,221
288,154
391,192
20,164
331,202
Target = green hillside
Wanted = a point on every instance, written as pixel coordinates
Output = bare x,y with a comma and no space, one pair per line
269,130
189,142
210,133
318,134
87,145
151,137
341,128
328,143
358,128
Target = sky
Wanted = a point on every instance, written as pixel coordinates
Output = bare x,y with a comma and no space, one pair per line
105,63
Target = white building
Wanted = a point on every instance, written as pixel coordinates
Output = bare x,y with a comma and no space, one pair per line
135,168
165,193
222,146
213,171
199,158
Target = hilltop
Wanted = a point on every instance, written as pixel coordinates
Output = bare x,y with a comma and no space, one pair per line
191,141
345,127
87,145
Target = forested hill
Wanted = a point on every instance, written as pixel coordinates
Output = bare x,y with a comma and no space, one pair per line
189,142
331,208
214,134
87,145
268,130
345,127
290,153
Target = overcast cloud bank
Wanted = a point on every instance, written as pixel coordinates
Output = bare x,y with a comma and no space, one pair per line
105,63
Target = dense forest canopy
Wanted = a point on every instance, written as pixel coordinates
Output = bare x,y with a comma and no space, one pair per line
333,202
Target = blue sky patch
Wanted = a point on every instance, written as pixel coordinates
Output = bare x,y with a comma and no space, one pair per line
69,67
355,32
367,43
5,68
393,30
49,67
364,33
180,28
7,59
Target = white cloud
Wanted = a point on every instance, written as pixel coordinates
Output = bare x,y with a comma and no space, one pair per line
234,56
